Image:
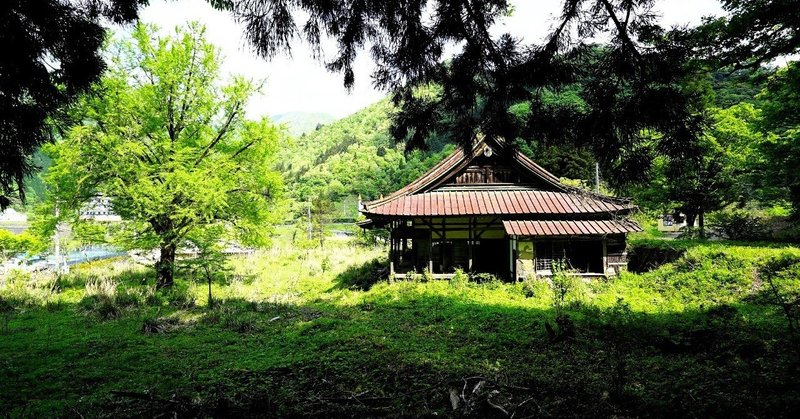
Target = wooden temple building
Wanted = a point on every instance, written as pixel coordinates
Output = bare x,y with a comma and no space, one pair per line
494,210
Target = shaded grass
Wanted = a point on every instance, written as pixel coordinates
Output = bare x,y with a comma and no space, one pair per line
697,339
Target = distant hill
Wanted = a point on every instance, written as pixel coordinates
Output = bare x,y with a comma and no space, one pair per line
350,157
300,123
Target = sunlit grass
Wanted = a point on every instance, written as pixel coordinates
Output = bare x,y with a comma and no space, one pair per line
289,318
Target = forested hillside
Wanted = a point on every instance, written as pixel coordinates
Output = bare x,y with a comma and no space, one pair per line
350,157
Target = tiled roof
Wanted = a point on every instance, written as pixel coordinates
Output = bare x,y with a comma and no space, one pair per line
460,159
495,202
569,228
429,195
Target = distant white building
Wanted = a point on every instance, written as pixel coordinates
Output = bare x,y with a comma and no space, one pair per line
99,209
671,223
13,216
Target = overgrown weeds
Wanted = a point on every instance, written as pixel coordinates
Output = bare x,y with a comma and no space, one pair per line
699,336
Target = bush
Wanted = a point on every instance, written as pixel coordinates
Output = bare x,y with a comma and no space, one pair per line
240,322
6,312
790,233
363,277
180,297
102,306
100,299
459,279
738,225
533,286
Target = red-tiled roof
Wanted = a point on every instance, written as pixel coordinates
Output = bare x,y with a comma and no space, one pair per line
429,196
493,202
569,228
459,160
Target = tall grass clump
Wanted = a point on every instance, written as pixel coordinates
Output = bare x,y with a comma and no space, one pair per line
31,289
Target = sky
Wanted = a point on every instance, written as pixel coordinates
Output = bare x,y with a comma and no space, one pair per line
301,84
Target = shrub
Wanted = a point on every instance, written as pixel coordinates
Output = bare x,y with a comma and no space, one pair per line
6,312
738,225
459,279
29,288
100,298
790,233
180,297
102,306
240,322
533,286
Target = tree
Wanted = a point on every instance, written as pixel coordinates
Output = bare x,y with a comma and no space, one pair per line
753,33
12,244
169,145
722,172
700,183
780,104
53,55
633,83
210,259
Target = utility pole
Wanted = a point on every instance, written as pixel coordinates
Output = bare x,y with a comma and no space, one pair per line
57,243
596,177
60,267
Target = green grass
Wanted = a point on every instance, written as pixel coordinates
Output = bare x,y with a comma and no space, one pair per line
697,337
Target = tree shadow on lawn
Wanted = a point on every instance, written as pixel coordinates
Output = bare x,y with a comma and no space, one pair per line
405,353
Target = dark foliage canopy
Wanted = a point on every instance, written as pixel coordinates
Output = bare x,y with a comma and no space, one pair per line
638,94
755,32
635,96
630,86
51,54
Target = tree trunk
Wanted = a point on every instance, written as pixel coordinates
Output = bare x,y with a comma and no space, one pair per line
701,224
690,219
165,267
794,197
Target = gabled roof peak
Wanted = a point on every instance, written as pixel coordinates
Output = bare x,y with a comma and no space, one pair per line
485,147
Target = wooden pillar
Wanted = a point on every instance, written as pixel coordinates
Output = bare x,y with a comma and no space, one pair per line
430,249
512,244
471,239
391,249
443,244
414,246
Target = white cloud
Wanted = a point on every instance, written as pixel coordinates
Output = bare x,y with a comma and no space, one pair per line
301,83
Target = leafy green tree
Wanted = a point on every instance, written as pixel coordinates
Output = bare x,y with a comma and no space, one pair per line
732,87
720,171
700,183
168,143
780,117
210,261
11,244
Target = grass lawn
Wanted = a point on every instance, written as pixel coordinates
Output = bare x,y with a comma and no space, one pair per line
312,333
